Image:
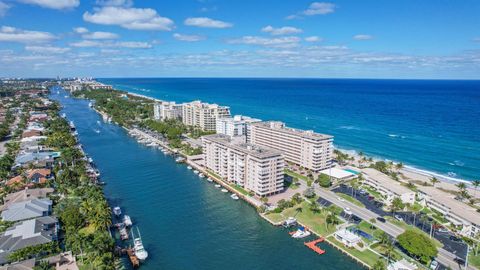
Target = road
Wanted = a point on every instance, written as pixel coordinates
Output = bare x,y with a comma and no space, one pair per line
444,257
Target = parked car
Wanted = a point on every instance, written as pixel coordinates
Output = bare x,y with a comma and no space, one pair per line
398,217
442,230
370,198
381,219
434,265
455,239
459,261
341,199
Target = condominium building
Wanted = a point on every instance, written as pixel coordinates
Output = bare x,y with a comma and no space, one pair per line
459,214
255,168
203,115
236,126
389,188
305,148
167,110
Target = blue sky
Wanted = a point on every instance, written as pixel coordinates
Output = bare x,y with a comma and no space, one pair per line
261,38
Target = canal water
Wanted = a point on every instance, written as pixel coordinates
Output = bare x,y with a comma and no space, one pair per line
185,222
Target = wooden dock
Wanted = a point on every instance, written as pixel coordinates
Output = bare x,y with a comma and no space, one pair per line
313,245
133,259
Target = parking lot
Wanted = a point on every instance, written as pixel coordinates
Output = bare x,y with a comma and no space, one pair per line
450,242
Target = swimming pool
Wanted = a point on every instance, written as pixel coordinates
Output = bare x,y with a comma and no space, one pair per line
350,171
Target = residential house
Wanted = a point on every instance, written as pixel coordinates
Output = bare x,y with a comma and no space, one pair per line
27,209
388,187
25,195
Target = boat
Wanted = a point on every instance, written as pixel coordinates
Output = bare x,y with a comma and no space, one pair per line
210,180
90,104
291,221
301,233
65,96
179,159
138,248
97,131
196,172
217,185
64,115
98,122
234,196
201,175
224,190
122,230
127,221
117,211
189,167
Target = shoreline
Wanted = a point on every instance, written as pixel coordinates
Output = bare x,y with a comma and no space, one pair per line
407,167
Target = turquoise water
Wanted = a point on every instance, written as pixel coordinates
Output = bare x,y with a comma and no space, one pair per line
185,222
430,125
352,171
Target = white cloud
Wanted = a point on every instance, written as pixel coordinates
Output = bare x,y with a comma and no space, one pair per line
130,18
286,30
54,4
100,35
280,42
362,37
47,49
80,30
315,8
319,8
12,34
188,38
109,44
207,23
313,39
3,8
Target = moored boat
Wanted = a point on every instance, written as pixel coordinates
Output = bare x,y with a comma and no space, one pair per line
234,196
138,247
117,211
224,190
127,220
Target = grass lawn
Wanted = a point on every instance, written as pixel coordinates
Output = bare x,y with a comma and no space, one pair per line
367,256
474,260
290,185
297,175
396,256
410,227
275,217
367,227
239,189
351,199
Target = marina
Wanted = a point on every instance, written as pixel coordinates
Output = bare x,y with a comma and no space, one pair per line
140,177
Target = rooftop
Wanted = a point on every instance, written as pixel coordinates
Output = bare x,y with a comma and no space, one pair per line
25,195
26,209
386,182
337,173
247,148
457,208
307,134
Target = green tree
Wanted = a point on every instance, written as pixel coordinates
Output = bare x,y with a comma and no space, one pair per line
324,180
476,184
418,245
379,265
397,205
434,180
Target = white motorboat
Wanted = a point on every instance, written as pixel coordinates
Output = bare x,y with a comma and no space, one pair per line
179,159
117,211
189,167
64,115
210,180
138,247
90,104
97,131
217,185
224,190
127,220
201,175
196,172
301,233
234,196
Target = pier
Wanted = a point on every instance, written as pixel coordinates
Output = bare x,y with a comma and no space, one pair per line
313,245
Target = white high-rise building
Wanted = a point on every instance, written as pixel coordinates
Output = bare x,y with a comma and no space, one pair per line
203,115
167,110
235,126
308,149
255,168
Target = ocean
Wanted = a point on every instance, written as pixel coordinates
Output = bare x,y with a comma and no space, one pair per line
431,125
185,222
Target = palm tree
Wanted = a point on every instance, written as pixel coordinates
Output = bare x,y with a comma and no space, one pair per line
397,204
476,184
461,186
383,238
434,180
399,166
389,250
298,210
314,207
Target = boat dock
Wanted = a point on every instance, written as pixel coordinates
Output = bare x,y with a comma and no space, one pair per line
313,245
133,259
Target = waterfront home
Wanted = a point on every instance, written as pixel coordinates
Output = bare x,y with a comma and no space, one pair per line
27,233
33,139
388,188
255,168
23,265
31,133
15,181
38,117
338,174
347,238
38,159
27,209
25,195
39,176
167,110
464,217
63,261
402,265
305,148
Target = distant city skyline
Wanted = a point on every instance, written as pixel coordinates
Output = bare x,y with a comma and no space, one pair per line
213,38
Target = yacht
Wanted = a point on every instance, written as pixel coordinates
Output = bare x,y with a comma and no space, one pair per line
201,175
189,167
210,180
117,211
224,190
234,196
195,172
64,115
217,185
301,233
127,220
138,248
90,104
